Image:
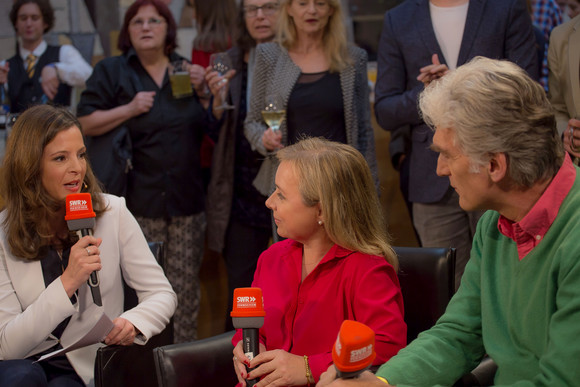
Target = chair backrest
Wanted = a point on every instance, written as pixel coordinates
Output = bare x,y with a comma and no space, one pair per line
206,362
427,278
118,366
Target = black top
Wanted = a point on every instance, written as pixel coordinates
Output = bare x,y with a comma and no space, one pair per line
53,266
166,176
316,108
25,92
248,205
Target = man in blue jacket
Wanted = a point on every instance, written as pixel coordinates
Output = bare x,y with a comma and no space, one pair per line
420,41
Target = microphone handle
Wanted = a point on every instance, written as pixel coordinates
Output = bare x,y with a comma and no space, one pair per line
251,347
93,280
349,375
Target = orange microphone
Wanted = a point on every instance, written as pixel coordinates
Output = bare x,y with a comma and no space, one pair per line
248,315
354,349
80,217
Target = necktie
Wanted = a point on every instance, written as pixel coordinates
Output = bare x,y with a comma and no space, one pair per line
30,63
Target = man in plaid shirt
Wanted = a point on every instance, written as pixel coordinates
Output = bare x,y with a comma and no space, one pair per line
546,15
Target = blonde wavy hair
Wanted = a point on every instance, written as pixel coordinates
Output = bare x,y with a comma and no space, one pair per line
338,177
334,39
28,207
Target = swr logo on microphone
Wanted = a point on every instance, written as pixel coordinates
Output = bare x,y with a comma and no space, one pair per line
361,353
246,302
78,205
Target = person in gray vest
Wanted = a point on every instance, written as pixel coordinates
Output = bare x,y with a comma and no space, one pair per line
40,73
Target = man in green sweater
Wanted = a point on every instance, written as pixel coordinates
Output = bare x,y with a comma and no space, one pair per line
519,299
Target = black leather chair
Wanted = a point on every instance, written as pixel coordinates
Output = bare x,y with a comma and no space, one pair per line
120,366
427,278
482,375
203,362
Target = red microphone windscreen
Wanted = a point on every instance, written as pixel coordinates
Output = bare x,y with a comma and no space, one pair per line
248,302
354,348
79,206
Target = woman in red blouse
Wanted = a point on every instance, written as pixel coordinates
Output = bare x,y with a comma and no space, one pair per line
337,264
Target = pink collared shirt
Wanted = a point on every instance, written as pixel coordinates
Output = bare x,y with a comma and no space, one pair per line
530,231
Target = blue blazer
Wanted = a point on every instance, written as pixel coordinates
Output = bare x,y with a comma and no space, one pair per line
500,29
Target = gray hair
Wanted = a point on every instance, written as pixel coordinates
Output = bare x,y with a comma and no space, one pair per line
493,106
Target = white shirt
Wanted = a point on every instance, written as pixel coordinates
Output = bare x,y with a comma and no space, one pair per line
71,66
448,24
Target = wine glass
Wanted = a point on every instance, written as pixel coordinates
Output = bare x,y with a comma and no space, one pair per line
274,112
221,63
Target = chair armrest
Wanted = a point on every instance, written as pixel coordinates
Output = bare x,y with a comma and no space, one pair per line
482,375
120,366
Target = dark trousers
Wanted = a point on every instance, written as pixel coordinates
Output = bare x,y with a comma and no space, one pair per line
243,247
24,372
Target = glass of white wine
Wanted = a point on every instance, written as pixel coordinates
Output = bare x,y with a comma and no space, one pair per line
274,112
222,63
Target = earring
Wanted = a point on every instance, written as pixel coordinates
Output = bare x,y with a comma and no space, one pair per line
320,222
85,186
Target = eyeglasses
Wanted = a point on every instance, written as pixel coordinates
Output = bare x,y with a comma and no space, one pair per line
153,22
268,9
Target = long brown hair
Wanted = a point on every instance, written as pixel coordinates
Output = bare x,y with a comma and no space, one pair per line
214,22
28,207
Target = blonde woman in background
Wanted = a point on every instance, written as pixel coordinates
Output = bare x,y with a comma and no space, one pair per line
321,80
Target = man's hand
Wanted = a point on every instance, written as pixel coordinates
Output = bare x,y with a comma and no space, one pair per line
572,137
50,81
366,379
433,71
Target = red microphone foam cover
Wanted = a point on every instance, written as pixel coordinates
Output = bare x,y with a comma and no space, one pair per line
248,302
79,206
354,348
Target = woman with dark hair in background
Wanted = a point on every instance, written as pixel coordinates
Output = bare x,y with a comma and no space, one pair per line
213,20
238,222
165,190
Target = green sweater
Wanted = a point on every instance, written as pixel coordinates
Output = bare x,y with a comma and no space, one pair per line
524,314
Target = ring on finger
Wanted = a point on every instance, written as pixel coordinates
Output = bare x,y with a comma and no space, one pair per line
88,251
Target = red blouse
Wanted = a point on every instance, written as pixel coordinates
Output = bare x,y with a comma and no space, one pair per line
304,317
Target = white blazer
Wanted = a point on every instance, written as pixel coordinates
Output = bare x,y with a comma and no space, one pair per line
29,311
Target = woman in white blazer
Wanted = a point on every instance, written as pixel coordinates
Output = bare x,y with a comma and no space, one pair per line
44,268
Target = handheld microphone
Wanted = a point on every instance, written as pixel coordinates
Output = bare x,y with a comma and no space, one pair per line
80,217
248,314
354,349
